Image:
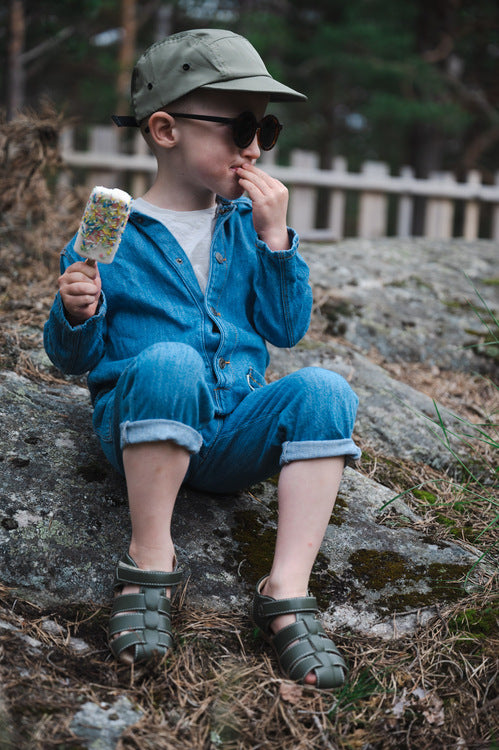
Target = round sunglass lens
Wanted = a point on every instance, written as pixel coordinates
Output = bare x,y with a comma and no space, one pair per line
269,131
244,129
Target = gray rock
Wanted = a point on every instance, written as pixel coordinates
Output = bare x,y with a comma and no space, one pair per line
101,725
33,645
393,419
383,577
64,522
7,731
62,507
411,299
63,513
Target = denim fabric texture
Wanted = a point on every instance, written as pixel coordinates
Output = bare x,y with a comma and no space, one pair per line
151,294
167,362
163,395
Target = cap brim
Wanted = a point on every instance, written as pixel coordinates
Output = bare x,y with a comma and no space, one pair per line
277,92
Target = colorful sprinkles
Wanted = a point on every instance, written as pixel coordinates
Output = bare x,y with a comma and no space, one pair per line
104,220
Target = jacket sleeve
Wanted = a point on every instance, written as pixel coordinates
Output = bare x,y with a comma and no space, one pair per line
74,349
284,298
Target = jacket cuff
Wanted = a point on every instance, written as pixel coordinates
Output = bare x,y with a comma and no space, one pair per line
59,312
294,241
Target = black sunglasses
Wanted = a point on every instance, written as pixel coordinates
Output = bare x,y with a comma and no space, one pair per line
244,128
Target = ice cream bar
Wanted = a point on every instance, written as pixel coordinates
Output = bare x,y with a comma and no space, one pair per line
103,222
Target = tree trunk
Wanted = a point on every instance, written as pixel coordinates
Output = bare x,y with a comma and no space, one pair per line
15,69
127,53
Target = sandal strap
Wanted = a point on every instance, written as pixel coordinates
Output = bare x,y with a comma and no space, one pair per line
303,628
149,620
144,646
141,622
311,651
328,675
140,603
274,607
319,648
129,574
303,646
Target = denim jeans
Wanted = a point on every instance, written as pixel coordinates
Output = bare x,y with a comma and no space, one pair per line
163,395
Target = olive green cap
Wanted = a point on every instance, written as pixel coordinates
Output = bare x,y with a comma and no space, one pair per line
201,58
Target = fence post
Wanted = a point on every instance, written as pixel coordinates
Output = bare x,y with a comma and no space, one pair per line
104,139
337,200
64,178
268,158
373,205
302,199
472,210
405,207
439,213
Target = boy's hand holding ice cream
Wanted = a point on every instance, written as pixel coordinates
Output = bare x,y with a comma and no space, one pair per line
98,238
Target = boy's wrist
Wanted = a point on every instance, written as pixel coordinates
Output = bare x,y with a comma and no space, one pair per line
277,241
73,321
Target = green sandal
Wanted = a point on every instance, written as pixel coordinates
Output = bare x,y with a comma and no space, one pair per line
312,650
141,623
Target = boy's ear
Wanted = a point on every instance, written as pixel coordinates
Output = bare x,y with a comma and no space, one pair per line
162,129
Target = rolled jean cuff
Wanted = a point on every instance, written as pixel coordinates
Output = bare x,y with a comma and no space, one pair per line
302,449
152,430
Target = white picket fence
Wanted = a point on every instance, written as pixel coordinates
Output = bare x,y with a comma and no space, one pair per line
382,203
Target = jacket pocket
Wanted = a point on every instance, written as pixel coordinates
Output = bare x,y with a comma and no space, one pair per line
254,379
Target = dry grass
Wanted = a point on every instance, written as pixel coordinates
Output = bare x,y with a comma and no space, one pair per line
219,688
30,220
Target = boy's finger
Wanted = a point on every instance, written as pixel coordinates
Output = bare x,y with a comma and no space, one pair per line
80,287
258,173
261,179
251,187
81,269
89,268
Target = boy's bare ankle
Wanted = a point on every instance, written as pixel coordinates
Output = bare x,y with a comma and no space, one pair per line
281,589
151,558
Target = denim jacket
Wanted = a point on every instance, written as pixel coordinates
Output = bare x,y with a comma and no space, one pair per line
150,294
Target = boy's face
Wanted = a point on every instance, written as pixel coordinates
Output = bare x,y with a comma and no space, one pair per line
206,153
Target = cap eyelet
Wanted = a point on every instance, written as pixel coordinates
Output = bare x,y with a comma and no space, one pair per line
149,86
186,66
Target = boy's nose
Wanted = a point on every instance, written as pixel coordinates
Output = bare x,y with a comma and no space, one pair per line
253,150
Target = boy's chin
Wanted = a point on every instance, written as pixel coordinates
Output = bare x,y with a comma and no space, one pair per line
231,194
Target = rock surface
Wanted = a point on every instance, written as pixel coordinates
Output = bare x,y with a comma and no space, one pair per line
393,418
412,299
100,726
63,513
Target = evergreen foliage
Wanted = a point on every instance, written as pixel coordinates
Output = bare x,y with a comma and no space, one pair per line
411,82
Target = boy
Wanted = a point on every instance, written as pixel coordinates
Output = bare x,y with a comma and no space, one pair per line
173,337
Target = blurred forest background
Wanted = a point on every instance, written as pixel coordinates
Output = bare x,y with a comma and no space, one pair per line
408,83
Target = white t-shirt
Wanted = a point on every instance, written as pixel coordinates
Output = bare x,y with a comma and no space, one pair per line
193,231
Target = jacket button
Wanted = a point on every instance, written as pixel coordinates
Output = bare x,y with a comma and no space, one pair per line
219,257
222,363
